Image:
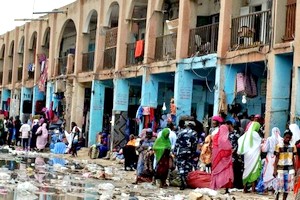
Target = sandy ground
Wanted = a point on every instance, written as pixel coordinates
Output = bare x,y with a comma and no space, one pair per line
130,177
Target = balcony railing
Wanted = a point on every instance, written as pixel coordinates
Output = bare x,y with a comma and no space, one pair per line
203,40
251,30
131,58
88,61
165,48
62,65
1,77
110,58
20,73
290,22
9,76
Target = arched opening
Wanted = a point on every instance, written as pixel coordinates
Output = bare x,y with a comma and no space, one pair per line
32,56
166,41
111,37
21,57
67,47
2,54
135,46
10,61
89,42
46,42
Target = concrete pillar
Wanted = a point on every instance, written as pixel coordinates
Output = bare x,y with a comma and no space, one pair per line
149,90
79,41
183,91
280,98
295,106
96,111
217,89
69,94
119,115
53,45
123,29
230,72
49,93
37,96
77,105
26,94
183,33
153,19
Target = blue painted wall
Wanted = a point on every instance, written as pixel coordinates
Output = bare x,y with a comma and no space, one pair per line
97,108
281,84
37,96
5,95
183,91
121,95
49,94
149,90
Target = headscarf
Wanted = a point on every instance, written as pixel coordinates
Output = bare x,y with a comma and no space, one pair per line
35,121
274,139
296,133
221,140
254,127
217,118
161,144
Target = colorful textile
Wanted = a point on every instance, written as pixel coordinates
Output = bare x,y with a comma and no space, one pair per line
285,154
222,171
161,144
217,118
206,151
139,48
249,146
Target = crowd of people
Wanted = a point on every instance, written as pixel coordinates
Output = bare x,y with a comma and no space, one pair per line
234,152
34,135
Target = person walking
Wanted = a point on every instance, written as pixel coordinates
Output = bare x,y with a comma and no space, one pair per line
249,145
284,167
222,171
25,134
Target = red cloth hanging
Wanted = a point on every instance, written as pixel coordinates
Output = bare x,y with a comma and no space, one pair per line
139,48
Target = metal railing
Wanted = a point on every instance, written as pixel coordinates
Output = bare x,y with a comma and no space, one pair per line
62,65
251,30
110,58
290,22
88,61
20,73
130,57
10,76
204,40
165,48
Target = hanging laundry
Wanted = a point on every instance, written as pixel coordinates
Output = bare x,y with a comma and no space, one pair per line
42,58
139,48
43,66
29,67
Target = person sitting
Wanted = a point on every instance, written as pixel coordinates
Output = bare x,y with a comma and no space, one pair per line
59,147
129,152
102,144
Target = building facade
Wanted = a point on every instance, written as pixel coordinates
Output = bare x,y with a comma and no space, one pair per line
98,62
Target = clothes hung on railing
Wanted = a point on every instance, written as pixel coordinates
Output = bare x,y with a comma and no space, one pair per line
139,48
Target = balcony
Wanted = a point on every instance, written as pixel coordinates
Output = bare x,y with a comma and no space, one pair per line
62,65
134,56
290,22
1,77
20,73
165,48
88,61
251,30
9,76
110,58
203,40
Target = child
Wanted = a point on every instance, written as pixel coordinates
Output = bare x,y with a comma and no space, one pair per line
284,164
